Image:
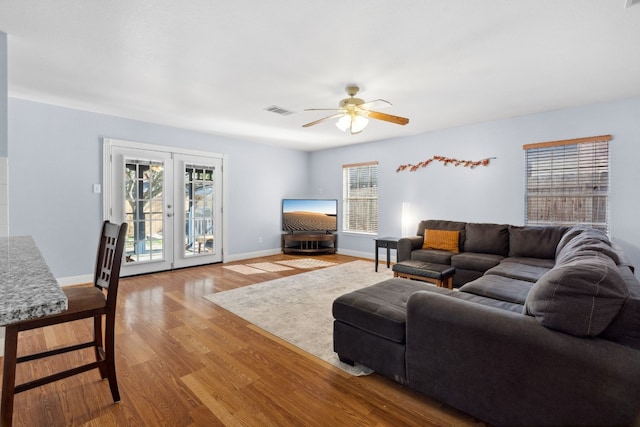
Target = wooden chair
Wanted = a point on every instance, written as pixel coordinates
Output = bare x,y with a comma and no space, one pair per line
84,302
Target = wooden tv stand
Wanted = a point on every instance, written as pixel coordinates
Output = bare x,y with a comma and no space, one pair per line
309,243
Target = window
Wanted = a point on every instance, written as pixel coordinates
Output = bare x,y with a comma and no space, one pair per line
567,182
360,197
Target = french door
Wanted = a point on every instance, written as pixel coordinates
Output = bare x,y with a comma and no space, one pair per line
172,202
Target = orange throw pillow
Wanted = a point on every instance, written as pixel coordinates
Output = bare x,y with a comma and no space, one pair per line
443,240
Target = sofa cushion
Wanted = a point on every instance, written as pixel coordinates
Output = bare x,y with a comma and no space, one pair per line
463,276
513,270
580,241
500,288
444,240
580,297
625,327
432,255
570,234
536,262
584,232
380,309
487,238
478,299
438,224
534,242
475,261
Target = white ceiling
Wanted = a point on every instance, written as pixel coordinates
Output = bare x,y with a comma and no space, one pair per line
214,66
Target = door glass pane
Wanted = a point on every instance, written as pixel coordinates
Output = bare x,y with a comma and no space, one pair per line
199,188
144,210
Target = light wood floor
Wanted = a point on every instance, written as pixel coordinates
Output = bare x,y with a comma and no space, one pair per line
183,361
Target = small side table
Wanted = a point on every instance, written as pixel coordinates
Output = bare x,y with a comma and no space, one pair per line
386,242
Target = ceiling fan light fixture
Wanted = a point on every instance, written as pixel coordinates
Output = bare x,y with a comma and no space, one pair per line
353,114
344,123
358,123
354,123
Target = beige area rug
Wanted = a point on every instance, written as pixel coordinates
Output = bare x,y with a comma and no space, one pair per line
298,308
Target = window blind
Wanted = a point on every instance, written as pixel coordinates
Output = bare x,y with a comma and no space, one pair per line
567,182
360,197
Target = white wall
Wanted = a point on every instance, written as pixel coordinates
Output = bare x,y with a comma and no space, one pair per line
56,156
487,194
4,188
4,146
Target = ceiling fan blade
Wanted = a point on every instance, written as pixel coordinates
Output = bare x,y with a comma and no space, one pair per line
388,118
333,116
322,109
376,103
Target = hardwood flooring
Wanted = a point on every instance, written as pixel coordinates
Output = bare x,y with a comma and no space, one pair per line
183,361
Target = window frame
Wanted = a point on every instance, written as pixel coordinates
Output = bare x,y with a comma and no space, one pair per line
366,203
567,182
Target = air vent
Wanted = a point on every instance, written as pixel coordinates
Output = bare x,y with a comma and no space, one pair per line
279,110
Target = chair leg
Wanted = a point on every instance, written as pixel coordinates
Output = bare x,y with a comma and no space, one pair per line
111,360
9,374
98,345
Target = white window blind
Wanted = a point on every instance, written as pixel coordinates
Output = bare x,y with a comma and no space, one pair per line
360,197
567,182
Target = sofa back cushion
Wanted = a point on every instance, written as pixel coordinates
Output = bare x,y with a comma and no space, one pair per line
583,241
580,297
487,238
443,240
534,242
567,237
437,224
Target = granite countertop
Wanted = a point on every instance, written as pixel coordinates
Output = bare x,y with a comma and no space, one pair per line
27,287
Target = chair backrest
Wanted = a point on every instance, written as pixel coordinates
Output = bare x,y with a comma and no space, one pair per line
109,259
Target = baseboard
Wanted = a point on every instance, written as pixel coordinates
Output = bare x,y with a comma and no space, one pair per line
248,255
366,255
75,280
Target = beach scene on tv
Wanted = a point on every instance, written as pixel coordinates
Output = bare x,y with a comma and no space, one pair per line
309,215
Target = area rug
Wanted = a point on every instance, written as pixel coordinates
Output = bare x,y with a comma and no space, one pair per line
298,308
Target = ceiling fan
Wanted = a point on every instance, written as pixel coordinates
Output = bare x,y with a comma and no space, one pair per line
354,114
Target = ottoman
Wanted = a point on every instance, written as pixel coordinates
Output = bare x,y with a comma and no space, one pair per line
439,274
370,325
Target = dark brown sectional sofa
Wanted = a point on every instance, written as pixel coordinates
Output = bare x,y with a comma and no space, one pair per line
543,328
484,246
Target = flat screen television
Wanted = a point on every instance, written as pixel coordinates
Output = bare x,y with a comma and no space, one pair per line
309,215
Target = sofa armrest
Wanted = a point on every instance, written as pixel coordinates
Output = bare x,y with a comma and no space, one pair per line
406,245
507,369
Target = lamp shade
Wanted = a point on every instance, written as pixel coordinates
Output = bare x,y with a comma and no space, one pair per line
344,122
358,123
353,122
